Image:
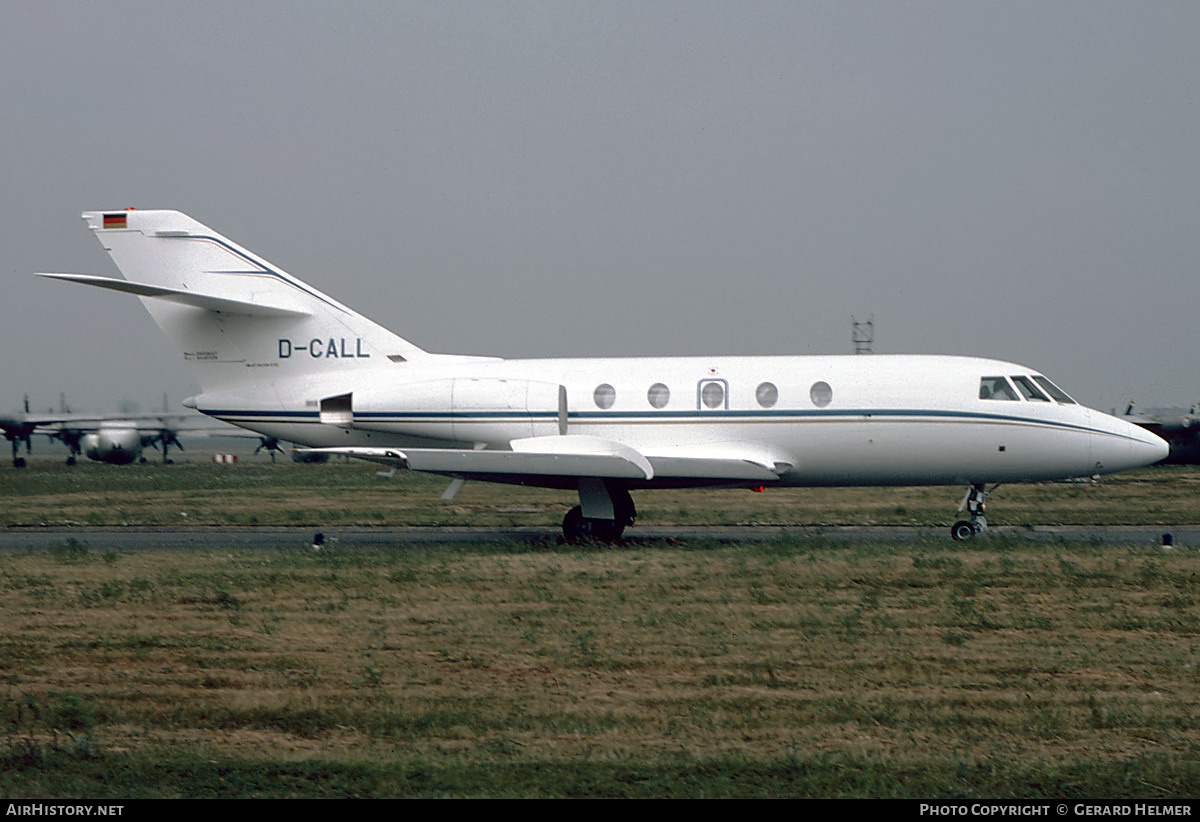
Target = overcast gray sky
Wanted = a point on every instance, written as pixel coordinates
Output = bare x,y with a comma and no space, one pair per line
1009,179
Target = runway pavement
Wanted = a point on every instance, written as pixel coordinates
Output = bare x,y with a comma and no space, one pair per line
380,538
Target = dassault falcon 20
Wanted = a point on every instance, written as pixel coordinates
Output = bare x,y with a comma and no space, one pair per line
274,355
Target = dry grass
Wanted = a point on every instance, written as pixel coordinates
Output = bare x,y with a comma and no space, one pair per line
1036,667
354,493
794,668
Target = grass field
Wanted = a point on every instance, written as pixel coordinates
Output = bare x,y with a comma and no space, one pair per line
353,493
796,668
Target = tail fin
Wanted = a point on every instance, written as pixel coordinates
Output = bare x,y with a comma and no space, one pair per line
231,312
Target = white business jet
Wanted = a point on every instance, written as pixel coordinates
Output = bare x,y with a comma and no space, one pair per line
274,355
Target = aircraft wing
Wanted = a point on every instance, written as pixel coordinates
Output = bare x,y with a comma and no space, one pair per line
41,420
49,424
582,456
493,463
56,425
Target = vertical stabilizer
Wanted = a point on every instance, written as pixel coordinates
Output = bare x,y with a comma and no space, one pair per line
236,318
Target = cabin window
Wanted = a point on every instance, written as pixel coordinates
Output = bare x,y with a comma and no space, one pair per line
1029,390
1053,390
659,395
767,395
605,395
712,394
996,388
820,394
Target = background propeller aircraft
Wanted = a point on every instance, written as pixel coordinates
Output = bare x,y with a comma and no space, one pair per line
1181,430
117,439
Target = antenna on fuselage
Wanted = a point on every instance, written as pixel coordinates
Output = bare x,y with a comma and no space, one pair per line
863,334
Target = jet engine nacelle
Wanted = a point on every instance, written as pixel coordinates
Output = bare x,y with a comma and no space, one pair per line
464,409
114,445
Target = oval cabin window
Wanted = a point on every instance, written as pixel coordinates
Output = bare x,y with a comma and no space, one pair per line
821,394
712,395
767,395
605,395
659,395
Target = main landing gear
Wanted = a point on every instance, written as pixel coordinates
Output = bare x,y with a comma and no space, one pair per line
602,515
974,502
17,460
73,439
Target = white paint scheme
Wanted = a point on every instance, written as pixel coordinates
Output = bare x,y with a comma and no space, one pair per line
116,443
276,356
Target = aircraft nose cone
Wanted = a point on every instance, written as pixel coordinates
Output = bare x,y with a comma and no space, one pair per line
1152,448
1123,445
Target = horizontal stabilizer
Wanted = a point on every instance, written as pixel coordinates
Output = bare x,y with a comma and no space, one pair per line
210,302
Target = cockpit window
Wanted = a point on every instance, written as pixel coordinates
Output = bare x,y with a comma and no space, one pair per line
1029,390
996,388
1053,390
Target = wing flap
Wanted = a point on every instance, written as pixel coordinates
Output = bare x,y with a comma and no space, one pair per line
489,463
721,460
210,302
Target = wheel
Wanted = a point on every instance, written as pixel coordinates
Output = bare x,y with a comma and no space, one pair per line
606,530
573,525
19,462
578,528
623,507
963,530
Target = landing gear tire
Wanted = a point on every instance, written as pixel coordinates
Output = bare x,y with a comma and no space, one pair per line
19,462
578,528
962,531
975,504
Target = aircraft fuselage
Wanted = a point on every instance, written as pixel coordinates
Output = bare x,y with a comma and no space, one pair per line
836,420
